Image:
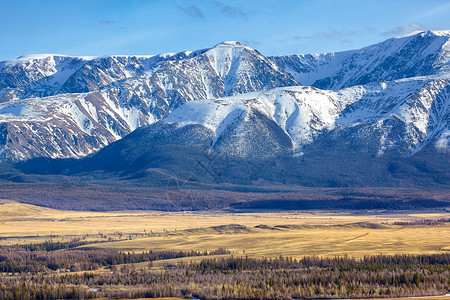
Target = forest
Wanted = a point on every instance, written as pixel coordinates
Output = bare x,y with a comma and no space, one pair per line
40,272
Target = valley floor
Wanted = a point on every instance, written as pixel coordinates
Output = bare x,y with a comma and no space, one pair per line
222,254
255,234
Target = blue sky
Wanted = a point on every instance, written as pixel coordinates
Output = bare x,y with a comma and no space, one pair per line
104,27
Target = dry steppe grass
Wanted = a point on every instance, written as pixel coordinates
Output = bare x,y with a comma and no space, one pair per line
254,234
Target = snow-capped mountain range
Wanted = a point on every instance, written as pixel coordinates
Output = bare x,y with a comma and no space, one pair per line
420,54
60,106
417,110
392,97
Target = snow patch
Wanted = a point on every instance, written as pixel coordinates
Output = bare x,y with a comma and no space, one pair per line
443,142
415,32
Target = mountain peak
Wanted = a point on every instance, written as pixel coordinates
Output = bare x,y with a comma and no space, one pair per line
231,58
424,33
439,32
233,45
28,57
230,43
412,33
89,104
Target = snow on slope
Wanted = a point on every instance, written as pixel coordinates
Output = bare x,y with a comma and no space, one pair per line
101,99
38,74
64,106
413,101
301,112
421,54
418,108
51,74
65,125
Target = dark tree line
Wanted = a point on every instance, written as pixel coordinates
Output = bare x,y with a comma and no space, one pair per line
51,245
19,260
424,222
224,278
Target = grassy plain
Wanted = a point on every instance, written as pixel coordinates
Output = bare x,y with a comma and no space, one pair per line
282,233
256,234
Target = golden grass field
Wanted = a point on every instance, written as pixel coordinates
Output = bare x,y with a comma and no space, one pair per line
319,233
308,233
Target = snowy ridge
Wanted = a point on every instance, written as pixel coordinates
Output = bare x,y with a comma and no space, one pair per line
29,57
421,54
388,97
421,105
305,113
93,102
302,112
52,74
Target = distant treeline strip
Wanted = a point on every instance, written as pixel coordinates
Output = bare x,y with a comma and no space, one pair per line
15,260
50,245
228,277
424,222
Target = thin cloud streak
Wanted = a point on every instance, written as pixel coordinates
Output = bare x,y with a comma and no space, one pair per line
233,12
230,11
192,11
